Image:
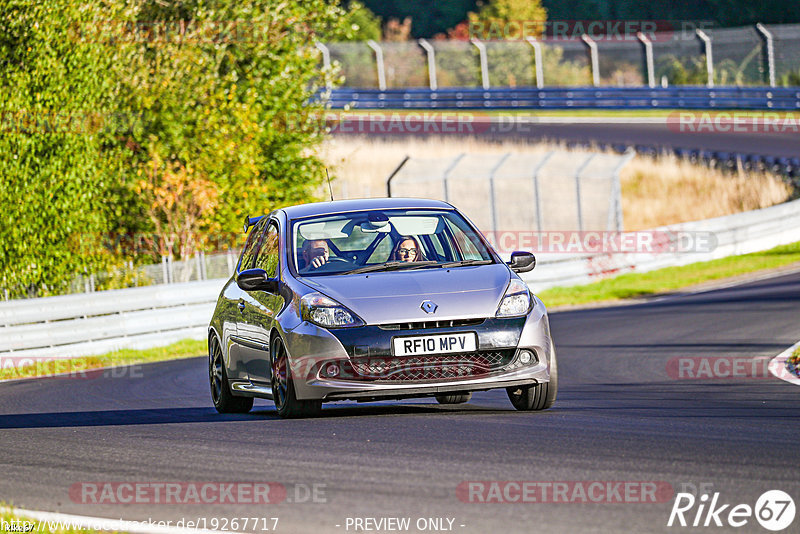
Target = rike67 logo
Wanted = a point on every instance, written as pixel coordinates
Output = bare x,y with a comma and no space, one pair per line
774,510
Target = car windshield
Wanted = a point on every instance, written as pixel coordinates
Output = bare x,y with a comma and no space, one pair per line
385,240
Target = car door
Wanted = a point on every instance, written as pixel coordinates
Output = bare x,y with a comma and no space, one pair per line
237,298
260,309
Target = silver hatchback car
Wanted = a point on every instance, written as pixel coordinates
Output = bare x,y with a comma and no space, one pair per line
376,299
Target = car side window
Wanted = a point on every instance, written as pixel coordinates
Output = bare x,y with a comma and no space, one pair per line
267,255
251,246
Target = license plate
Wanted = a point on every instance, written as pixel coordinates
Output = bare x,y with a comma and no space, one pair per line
435,344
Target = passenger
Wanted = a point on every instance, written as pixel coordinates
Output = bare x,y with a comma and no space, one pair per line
314,254
407,249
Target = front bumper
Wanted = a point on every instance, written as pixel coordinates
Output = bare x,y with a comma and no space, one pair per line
311,348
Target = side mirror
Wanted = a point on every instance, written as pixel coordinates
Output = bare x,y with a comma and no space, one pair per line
522,262
257,280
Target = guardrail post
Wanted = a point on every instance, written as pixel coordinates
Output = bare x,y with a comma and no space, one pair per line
593,57
431,53
537,61
648,59
767,35
446,175
379,62
578,189
709,55
491,190
229,257
164,270
201,265
537,199
326,61
484,63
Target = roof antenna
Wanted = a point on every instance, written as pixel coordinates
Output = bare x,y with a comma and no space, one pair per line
329,183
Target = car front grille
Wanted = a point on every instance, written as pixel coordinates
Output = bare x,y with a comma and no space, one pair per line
434,367
424,325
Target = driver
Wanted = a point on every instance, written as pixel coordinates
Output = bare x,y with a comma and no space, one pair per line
315,254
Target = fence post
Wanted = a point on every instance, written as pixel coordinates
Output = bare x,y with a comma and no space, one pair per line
379,61
537,61
484,63
594,60
709,55
767,35
446,175
391,176
648,58
615,214
431,63
537,199
578,189
491,191
326,61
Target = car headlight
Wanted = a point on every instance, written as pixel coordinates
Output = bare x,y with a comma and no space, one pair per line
516,301
323,311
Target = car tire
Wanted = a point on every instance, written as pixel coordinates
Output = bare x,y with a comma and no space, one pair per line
283,394
538,396
224,401
454,399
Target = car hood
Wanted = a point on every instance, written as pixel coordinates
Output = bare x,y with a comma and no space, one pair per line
397,296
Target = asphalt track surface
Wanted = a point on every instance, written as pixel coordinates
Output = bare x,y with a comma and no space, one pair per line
654,132
619,416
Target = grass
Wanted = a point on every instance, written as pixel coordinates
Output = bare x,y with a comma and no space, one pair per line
671,278
649,186
187,348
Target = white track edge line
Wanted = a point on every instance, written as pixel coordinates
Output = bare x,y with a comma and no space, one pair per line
106,524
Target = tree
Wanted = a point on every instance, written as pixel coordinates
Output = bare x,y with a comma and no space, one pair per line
510,11
360,24
231,96
54,172
214,98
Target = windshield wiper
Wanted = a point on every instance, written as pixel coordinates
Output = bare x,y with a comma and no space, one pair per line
391,266
462,263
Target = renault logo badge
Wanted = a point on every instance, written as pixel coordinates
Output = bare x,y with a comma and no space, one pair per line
428,306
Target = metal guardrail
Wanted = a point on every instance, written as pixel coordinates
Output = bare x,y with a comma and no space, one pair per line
94,323
754,98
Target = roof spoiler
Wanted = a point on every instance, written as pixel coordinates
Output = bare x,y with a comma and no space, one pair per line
250,221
